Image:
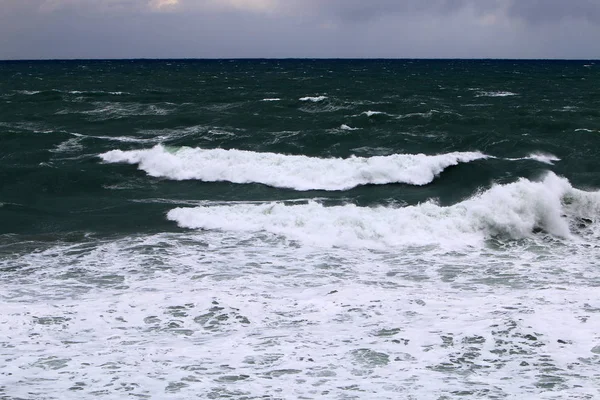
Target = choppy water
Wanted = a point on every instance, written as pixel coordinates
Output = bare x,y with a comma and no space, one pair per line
299,229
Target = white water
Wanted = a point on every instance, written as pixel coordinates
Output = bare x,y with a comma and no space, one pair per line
314,99
512,211
234,311
287,171
496,94
545,158
373,113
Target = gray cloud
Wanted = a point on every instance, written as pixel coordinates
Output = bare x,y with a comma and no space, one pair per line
540,11
527,10
298,28
357,10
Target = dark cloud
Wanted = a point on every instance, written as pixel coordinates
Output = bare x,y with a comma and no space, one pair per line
299,28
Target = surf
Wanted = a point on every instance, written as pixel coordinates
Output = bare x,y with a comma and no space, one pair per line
296,172
513,211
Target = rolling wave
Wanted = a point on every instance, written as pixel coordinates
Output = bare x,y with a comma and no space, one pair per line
513,211
289,171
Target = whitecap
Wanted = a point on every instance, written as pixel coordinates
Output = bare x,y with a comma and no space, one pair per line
110,110
68,146
29,92
289,171
313,99
348,128
514,210
272,99
545,158
372,113
496,94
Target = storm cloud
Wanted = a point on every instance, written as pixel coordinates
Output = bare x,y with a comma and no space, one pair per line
299,28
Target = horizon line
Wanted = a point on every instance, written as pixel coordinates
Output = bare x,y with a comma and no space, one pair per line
298,58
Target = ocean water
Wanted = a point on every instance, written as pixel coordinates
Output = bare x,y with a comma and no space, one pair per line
300,229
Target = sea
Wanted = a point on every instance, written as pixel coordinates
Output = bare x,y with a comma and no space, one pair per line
299,229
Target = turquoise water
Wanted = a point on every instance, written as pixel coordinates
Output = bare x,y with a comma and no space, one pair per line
299,229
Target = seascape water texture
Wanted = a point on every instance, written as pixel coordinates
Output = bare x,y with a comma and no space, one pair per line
327,229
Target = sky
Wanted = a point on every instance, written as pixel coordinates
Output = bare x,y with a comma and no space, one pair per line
65,29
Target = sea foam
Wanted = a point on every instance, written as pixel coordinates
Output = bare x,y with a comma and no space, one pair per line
314,99
289,171
544,158
496,94
513,211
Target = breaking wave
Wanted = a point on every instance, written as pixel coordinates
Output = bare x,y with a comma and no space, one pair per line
288,171
545,158
516,211
315,99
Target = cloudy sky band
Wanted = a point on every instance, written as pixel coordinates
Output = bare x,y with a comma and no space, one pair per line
32,29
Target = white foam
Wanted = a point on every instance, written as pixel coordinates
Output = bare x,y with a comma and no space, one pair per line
585,130
95,92
110,110
273,99
171,316
545,158
496,94
123,139
288,171
236,313
348,128
315,99
513,210
373,113
428,114
68,146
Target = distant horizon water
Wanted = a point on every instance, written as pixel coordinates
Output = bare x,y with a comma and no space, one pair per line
303,59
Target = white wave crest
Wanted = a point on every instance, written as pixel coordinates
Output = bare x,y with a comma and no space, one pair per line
545,158
272,99
313,99
289,171
372,113
514,210
348,128
496,94
95,92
